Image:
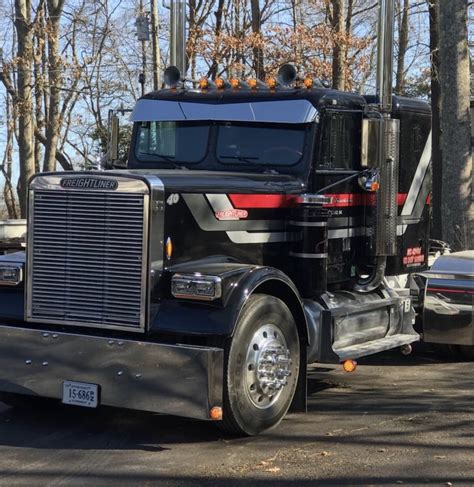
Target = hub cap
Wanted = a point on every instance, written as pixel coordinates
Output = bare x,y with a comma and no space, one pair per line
268,366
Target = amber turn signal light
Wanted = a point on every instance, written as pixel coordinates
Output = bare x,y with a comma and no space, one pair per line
349,365
216,413
169,248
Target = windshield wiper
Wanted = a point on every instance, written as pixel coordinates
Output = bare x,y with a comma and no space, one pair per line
249,160
162,157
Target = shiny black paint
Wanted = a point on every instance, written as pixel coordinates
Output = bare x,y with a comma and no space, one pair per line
188,317
250,265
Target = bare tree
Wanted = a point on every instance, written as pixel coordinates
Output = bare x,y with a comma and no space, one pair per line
436,155
23,96
339,45
403,28
53,125
258,60
457,207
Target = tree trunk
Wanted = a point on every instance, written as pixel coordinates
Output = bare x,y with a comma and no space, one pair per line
258,66
339,49
436,155
39,69
53,125
25,99
457,207
8,191
213,70
402,45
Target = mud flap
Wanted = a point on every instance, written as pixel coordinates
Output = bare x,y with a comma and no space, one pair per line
300,399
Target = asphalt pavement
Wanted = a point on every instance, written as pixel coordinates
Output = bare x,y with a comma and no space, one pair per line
395,421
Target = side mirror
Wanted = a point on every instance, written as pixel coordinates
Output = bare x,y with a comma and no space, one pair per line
112,157
114,138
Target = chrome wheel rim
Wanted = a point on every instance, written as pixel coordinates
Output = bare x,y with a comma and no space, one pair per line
268,366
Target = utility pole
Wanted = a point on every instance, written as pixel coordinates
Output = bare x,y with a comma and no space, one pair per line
155,45
143,36
178,35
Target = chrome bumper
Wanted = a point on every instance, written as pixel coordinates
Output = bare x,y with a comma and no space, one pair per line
181,380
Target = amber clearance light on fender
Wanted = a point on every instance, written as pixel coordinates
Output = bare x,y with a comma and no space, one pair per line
216,413
349,365
11,274
196,286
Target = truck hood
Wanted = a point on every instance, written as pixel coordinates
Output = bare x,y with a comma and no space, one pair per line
185,181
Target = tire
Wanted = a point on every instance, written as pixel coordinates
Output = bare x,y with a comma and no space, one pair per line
266,340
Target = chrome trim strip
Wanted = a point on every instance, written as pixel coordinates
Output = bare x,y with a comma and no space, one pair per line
418,178
347,232
306,255
261,237
155,239
308,224
447,275
315,199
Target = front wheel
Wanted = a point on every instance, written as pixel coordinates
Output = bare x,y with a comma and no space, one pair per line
262,366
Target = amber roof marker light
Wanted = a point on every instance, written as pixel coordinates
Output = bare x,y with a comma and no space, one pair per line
308,83
206,84
235,83
221,83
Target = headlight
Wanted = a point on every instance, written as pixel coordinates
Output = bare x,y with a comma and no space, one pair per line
196,286
11,274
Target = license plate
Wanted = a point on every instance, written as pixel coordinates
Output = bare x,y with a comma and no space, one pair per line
80,394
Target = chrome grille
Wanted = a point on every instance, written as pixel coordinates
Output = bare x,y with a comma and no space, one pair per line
87,258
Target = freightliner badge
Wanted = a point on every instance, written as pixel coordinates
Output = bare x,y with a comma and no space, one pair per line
89,183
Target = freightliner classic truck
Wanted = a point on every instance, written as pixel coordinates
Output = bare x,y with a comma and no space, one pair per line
256,229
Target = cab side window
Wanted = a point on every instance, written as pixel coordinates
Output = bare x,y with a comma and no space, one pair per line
340,140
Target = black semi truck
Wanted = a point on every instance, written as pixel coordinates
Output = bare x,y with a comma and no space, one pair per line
256,229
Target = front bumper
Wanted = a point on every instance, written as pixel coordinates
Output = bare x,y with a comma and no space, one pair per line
182,380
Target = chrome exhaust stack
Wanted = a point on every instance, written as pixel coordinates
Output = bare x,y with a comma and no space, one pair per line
384,242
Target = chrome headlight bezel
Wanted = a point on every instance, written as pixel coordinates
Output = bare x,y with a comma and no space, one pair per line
11,274
196,286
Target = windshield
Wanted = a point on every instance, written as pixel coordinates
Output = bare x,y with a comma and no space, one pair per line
262,144
172,141
216,143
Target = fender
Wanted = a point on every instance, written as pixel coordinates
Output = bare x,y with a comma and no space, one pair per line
12,298
239,282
